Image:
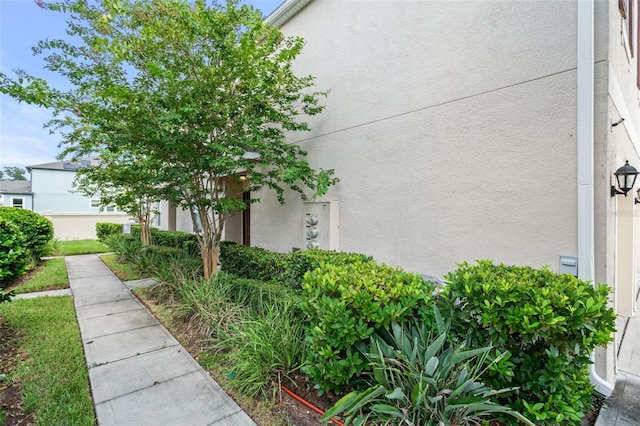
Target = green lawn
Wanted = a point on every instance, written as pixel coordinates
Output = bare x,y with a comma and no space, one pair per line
124,271
52,275
53,372
70,248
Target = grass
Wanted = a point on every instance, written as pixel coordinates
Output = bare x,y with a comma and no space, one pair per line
52,275
74,247
124,271
54,373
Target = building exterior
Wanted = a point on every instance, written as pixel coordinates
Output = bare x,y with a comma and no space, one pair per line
16,193
52,186
51,193
464,130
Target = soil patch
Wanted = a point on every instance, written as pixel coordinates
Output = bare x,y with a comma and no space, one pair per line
10,400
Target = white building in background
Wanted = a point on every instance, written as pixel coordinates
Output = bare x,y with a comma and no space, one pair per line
50,192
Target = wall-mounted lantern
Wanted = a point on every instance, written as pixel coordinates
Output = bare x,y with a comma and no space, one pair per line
625,178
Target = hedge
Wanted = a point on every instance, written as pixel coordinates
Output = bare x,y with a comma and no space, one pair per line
260,264
105,229
253,263
12,252
175,239
37,230
549,323
345,305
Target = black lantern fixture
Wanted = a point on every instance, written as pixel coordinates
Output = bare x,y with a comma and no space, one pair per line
625,177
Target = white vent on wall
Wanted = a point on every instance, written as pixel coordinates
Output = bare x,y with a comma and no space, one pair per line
320,225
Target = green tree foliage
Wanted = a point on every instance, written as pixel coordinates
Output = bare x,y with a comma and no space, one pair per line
13,173
201,95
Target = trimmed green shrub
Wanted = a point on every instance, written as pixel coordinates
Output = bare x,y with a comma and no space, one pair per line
346,304
176,239
300,262
106,229
549,323
12,252
253,263
37,230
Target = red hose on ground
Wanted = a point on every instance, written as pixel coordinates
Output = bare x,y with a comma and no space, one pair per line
308,404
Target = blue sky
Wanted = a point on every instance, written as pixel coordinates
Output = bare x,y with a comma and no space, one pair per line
23,140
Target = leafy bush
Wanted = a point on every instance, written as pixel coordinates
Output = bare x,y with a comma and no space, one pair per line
12,252
549,323
347,304
106,229
300,262
37,230
251,262
419,379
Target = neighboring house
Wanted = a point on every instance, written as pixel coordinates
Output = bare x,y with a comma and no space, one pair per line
73,215
52,186
16,193
463,130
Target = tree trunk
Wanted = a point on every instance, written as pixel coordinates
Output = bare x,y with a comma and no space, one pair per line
145,233
209,258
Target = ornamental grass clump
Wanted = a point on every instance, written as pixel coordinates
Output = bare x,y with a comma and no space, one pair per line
421,379
548,323
345,305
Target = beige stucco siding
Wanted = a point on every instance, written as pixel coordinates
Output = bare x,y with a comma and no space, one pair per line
454,139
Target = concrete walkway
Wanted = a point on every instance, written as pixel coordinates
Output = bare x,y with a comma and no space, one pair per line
140,375
623,407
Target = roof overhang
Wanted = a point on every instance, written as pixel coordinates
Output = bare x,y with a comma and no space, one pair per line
285,11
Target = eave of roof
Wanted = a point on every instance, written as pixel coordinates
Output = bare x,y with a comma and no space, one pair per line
287,10
67,166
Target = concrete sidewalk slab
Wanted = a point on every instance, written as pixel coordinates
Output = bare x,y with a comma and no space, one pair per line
191,399
108,308
116,295
48,293
123,345
146,282
117,379
139,373
98,326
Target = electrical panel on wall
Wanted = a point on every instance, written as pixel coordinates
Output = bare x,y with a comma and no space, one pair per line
320,225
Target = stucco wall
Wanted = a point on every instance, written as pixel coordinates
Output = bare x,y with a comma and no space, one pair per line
81,226
451,125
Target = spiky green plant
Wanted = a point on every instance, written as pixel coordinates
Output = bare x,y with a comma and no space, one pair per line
421,379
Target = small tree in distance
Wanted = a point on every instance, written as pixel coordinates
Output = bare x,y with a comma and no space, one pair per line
13,173
203,93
